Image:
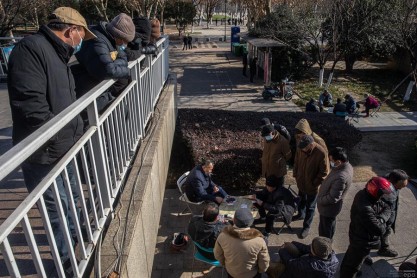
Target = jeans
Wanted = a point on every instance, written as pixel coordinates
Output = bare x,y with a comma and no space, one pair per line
353,260
307,207
33,174
327,226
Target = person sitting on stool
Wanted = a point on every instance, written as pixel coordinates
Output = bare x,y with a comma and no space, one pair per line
277,200
370,103
340,109
325,100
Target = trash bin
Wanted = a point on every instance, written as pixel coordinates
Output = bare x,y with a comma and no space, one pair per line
235,48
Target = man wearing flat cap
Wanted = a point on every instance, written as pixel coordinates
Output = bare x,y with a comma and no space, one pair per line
40,86
312,169
315,260
241,249
105,58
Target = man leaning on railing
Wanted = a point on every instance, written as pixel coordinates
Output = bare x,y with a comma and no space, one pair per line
40,86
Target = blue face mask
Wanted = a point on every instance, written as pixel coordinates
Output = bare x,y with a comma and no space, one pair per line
78,46
121,47
268,137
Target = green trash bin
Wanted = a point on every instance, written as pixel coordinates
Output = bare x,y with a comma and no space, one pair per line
235,47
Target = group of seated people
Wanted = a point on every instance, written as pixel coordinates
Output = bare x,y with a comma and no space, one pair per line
341,108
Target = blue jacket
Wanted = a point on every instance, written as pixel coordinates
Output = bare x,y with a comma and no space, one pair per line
99,60
307,265
199,186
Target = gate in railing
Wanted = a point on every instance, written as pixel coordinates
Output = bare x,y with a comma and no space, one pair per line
99,161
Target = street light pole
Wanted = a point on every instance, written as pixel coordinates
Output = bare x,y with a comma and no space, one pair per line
225,17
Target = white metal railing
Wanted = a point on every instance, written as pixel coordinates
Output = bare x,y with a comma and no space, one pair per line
99,161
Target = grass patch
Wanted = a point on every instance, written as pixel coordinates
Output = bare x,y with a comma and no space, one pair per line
219,17
377,82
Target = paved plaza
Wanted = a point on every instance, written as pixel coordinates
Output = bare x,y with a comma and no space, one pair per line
210,77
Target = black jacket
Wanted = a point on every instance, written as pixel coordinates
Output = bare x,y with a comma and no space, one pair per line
99,60
308,265
367,220
205,233
280,202
41,85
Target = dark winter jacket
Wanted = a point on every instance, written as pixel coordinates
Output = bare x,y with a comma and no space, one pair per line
99,60
307,265
282,130
392,200
275,155
40,86
333,189
367,220
197,185
205,233
339,109
281,202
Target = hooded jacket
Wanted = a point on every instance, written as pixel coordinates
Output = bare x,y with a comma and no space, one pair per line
367,222
312,169
242,251
275,155
41,85
333,189
308,265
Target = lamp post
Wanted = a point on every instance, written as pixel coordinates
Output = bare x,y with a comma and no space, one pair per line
225,21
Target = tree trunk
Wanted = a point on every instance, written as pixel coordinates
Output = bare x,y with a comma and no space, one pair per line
329,80
321,73
409,90
349,61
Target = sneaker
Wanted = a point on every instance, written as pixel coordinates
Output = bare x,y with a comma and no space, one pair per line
386,252
368,260
303,234
298,217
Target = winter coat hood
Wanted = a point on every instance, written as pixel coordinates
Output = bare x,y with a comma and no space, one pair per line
242,233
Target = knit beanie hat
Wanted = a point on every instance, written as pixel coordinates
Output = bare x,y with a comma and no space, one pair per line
122,27
322,247
243,218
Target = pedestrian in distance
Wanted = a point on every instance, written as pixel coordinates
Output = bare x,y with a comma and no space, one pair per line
333,190
245,63
190,42
40,86
185,41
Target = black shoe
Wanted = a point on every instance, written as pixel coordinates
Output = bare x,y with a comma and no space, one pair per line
368,260
298,217
260,220
386,252
303,234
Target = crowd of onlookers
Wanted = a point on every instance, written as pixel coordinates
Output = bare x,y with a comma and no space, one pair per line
48,71
342,108
323,178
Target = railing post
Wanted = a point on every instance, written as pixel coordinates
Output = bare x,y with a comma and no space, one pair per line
100,156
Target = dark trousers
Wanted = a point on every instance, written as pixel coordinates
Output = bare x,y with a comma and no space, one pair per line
327,226
353,260
252,74
385,238
307,207
269,218
33,174
258,275
245,67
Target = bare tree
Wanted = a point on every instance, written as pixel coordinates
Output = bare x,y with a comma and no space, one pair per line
209,6
9,12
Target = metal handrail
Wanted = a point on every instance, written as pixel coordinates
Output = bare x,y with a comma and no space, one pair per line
100,156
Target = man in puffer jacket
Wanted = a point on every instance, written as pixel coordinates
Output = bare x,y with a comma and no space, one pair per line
315,261
368,222
241,249
105,58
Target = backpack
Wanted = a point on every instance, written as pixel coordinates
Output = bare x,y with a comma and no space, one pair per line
283,131
179,242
